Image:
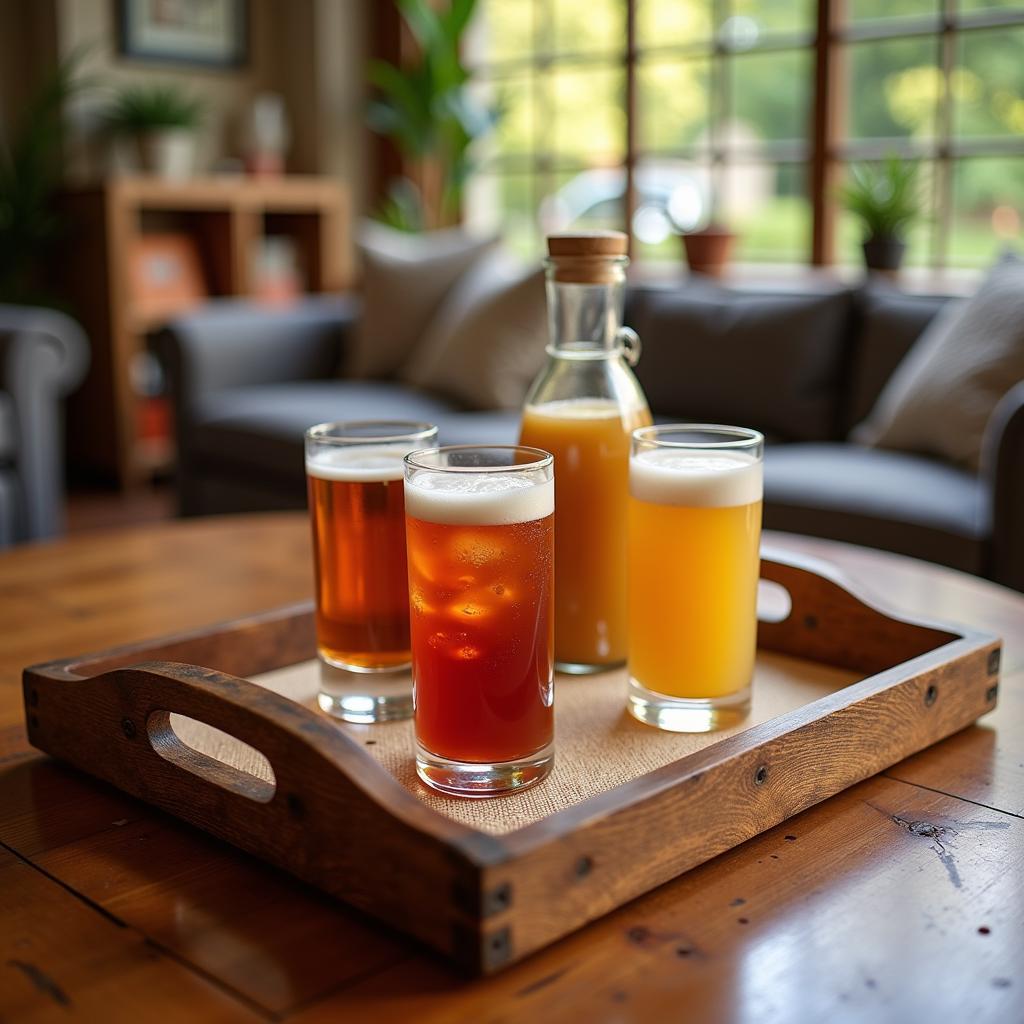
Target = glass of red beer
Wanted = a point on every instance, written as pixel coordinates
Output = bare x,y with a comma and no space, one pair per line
357,506
480,541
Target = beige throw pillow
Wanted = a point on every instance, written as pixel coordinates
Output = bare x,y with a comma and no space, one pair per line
405,279
487,343
942,394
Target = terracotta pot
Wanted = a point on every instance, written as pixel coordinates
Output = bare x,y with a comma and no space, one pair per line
708,251
883,253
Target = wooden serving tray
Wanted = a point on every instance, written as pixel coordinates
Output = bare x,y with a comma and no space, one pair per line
219,727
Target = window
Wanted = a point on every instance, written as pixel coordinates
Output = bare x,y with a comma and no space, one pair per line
659,114
943,84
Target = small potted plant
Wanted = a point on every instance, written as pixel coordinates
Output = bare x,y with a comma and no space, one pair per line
887,200
162,120
708,248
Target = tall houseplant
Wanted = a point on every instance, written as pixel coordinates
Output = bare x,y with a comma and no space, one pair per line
162,120
427,109
30,173
887,200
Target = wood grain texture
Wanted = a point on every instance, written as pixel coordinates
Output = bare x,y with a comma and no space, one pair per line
864,908
60,961
865,891
326,811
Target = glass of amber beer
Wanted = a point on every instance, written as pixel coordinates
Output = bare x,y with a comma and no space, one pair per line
357,505
480,534
694,536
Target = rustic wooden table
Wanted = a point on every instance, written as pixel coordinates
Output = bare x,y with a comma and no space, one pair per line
901,899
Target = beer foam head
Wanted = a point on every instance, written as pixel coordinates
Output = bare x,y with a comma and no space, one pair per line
698,479
358,463
478,499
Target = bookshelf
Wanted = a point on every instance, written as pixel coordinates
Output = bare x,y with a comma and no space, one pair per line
204,236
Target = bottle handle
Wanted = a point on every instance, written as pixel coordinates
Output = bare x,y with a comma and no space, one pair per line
629,342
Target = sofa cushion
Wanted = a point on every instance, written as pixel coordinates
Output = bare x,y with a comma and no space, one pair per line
889,324
941,396
883,499
405,280
766,360
486,344
258,432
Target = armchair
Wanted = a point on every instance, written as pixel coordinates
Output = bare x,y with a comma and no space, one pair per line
43,356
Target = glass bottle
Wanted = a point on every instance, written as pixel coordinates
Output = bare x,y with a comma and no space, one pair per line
583,408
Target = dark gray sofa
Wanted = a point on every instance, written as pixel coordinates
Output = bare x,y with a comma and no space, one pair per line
802,367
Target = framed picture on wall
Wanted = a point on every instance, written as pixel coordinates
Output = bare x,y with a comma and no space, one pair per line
210,32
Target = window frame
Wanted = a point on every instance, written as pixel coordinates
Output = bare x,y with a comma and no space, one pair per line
823,148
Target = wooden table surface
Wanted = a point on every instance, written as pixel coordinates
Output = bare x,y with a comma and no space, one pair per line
901,899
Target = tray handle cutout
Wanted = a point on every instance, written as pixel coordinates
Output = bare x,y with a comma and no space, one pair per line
828,622
310,768
164,732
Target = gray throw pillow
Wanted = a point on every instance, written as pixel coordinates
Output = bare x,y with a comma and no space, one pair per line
486,343
405,279
942,394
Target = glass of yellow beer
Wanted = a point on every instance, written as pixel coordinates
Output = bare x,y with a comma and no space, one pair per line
354,472
694,534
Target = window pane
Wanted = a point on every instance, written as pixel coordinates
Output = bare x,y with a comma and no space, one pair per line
988,206
763,16
894,89
673,22
591,200
879,10
849,233
586,26
672,103
988,83
988,5
771,94
514,97
587,114
505,203
671,196
501,30
767,207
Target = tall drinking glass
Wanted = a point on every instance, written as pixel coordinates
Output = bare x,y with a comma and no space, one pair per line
694,536
480,532
357,506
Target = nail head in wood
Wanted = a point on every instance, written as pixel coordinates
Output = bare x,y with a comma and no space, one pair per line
497,948
991,693
993,661
497,900
760,775
931,694
584,866
128,728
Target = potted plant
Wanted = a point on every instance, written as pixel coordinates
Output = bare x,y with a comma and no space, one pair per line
708,249
426,107
30,175
886,199
162,121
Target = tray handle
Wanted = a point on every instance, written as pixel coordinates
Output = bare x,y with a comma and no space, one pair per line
829,622
317,769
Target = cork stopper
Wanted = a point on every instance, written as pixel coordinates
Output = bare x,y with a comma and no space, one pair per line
588,257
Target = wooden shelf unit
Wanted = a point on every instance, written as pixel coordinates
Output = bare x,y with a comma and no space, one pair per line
227,217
